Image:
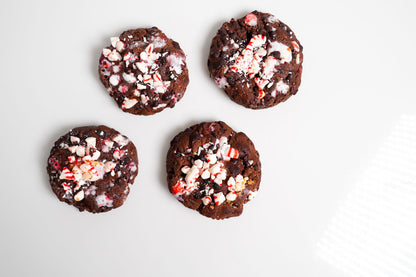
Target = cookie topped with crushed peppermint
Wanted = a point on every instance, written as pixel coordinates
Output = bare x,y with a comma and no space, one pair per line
144,71
256,60
212,169
92,168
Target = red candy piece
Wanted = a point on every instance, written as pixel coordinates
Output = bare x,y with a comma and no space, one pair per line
250,18
233,153
179,188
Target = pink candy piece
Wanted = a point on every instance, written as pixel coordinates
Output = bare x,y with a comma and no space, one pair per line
123,89
251,19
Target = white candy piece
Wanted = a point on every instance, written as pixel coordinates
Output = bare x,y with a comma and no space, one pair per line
252,194
72,148
158,42
95,155
205,175
79,196
223,140
231,183
185,169
80,151
63,145
198,163
144,99
109,143
140,87
75,139
142,66
121,140
216,168
272,19
160,89
76,171
223,174
114,41
284,50
160,106
128,103
192,175
120,46
114,80
91,141
109,166
116,69
114,56
129,78
206,200
219,198
147,79
282,87
218,181
102,200
211,158
231,196
175,63
106,52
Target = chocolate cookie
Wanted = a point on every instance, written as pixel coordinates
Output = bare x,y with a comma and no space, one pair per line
92,168
144,71
212,169
257,60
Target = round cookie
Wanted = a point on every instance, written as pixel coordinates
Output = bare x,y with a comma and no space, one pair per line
212,169
257,60
92,168
144,71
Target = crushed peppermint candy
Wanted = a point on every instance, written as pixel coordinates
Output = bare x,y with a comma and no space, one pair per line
250,61
211,169
86,161
141,69
263,51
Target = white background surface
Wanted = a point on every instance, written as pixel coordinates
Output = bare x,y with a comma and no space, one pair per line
316,149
